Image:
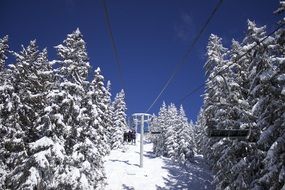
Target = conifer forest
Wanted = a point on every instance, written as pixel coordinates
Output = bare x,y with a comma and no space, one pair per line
62,126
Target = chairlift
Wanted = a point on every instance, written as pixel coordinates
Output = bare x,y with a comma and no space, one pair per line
232,133
212,132
155,132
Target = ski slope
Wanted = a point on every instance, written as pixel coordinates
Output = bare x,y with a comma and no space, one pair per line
123,171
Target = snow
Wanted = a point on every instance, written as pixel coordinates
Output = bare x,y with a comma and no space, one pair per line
243,102
34,177
48,109
98,70
123,171
283,91
9,106
5,87
281,77
84,182
43,142
266,75
71,175
58,150
41,158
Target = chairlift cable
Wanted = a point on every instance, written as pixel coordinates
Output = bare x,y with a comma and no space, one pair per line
241,56
184,58
112,39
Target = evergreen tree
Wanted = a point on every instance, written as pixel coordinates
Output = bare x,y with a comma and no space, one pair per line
176,137
83,164
161,126
108,113
109,122
54,123
254,101
267,90
3,52
216,92
186,144
172,122
101,99
30,155
155,137
6,92
119,119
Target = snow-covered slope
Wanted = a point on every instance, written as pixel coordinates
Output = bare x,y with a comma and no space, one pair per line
123,171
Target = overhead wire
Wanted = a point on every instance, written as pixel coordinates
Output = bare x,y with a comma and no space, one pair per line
237,59
184,58
112,39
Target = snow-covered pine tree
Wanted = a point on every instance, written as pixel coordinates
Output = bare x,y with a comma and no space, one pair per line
268,91
192,135
216,91
161,127
239,115
172,126
101,98
119,119
82,168
109,115
238,154
72,72
6,92
255,82
185,141
155,137
247,164
216,84
200,133
3,51
32,80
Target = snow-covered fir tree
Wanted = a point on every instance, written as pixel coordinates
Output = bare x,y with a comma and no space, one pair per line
216,91
185,138
55,125
171,136
3,51
6,93
101,98
119,120
109,115
32,78
176,137
160,126
268,91
255,83
83,168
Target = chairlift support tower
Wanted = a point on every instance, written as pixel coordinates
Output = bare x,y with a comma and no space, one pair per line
141,118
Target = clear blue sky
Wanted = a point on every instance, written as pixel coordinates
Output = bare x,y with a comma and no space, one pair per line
151,36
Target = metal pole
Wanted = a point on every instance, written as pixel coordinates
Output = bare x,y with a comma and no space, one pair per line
136,121
141,145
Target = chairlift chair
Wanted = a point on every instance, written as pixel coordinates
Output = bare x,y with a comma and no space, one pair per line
155,132
212,132
233,133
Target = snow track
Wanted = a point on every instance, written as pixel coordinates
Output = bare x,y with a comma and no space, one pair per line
123,171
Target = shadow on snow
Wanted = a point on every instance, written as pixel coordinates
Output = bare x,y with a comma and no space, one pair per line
125,187
189,176
125,161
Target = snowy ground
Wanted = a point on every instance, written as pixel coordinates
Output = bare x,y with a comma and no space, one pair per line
123,171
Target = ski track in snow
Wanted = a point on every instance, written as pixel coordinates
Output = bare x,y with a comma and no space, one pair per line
123,171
